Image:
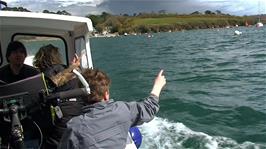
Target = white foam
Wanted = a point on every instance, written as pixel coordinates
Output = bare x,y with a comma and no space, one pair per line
163,134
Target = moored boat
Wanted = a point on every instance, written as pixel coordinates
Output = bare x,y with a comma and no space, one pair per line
259,24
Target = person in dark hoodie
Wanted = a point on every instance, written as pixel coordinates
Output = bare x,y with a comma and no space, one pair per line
105,123
59,77
16,69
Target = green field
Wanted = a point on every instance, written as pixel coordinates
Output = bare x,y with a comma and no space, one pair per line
186,20
163,23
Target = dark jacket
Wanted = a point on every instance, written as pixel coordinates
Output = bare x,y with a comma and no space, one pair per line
7,75
105,125
68,107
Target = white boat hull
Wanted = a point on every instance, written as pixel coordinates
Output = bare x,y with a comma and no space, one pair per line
259,24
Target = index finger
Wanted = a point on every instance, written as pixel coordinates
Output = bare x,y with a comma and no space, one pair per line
160,73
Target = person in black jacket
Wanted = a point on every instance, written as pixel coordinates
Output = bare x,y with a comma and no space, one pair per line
16,69
48,60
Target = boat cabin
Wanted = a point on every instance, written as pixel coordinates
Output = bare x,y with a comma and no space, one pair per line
69,33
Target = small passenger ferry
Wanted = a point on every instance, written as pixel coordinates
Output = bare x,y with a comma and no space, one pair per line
70,33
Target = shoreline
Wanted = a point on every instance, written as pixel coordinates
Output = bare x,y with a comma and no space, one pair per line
105,34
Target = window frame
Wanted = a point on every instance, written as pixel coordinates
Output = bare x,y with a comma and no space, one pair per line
47,35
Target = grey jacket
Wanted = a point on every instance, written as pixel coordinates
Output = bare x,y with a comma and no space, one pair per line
106,125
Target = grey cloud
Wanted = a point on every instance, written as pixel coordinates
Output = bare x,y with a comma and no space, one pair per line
136,6
172,6
82,7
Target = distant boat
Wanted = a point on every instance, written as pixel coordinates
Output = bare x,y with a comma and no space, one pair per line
259,23
150,35
237,32
247,24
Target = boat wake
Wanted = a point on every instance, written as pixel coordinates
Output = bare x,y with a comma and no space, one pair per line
163,134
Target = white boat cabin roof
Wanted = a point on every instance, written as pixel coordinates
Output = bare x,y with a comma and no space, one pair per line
9,19
70,33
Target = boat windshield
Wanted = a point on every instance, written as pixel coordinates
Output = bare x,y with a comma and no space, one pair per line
34,42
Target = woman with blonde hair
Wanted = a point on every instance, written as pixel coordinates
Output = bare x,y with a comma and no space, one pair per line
59,78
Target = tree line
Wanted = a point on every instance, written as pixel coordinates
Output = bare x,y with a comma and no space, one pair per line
63,12
164,22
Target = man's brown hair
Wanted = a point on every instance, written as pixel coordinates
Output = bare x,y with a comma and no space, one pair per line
99,83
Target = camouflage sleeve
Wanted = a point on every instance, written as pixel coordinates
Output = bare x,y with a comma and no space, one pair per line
63,77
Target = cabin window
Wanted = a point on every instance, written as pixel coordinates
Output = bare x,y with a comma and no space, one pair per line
80,44
80,47
34,42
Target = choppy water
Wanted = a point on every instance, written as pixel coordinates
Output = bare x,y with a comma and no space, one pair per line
215,97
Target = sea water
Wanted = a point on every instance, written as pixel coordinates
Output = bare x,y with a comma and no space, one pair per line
215,96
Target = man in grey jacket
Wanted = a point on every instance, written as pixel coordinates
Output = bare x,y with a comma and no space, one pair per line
104,123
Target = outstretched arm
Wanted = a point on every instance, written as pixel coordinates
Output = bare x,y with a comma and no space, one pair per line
159,83
66,75
145,111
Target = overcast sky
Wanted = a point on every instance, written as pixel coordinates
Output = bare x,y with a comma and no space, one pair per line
84,7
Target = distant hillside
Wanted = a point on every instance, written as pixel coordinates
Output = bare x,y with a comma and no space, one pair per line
148,23
262,17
